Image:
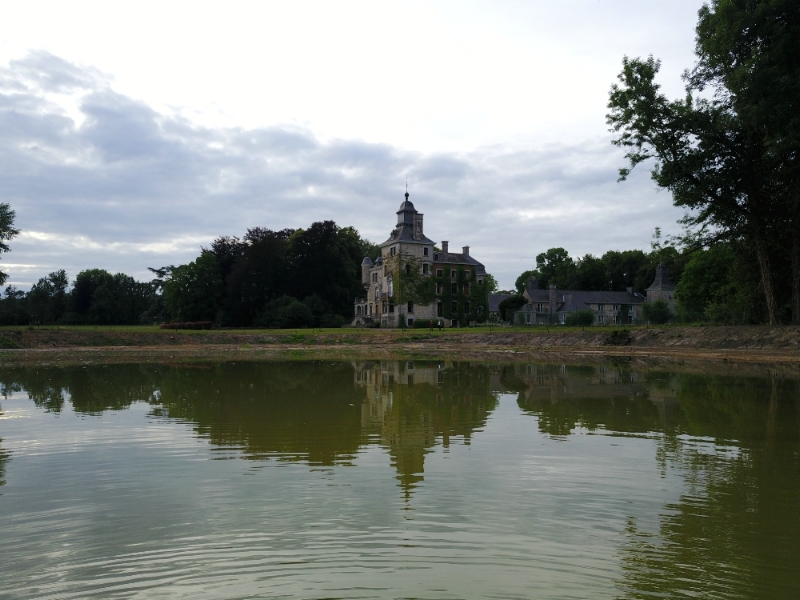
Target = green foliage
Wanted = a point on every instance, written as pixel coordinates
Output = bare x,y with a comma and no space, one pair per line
522,281
490,283
477,296
657,312
193,291
509,306
47,300
731,159
581,318
285,313
7,232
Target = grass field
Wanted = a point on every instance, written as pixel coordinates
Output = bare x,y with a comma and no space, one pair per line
342,331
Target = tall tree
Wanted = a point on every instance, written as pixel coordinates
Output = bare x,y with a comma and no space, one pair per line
7,232
704,154
748,52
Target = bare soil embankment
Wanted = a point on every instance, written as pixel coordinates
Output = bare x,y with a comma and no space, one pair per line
732,347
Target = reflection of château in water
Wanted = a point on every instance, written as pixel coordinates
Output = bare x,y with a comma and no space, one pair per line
409,404
564,397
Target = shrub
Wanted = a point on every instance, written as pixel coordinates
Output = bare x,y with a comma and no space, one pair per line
581,318
657,312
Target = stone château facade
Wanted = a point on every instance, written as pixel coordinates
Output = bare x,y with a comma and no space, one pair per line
413,280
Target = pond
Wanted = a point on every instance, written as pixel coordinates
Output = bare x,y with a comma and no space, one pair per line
397,479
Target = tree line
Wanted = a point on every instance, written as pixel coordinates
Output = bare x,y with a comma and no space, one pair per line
719,284
288,278
729,150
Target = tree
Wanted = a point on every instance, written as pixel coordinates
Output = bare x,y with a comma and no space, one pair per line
509,306
7,232
47,300
580,318
747,51
490,283
657,312
556,267
522,281
193,291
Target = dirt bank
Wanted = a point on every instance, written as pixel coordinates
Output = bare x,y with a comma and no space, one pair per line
721,349
755,338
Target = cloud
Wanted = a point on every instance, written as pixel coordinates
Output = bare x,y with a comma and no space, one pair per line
99,179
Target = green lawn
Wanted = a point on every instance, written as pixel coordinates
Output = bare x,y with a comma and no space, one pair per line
347,330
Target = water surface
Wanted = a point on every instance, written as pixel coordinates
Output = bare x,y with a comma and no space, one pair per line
397,480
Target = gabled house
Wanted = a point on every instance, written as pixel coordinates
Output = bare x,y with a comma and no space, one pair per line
552,306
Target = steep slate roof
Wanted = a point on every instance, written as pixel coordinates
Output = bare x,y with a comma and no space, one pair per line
404,230
574,300
496,299
459,259
662,282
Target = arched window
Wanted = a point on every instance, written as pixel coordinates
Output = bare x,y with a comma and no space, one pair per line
410,307
408,269
390,285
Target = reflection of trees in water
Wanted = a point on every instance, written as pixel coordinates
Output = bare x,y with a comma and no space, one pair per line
412,403
92,389
565,397
736,443
294,410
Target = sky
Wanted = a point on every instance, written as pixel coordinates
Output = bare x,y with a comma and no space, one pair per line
133,134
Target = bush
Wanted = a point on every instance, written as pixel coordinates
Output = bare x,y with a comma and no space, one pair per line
425,323
581,318
285,313
657,312
188,325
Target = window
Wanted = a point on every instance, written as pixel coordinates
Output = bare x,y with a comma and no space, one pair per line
601,307
454,307
466,289
438,272
390,285
480,310
528,318
385,308
358,310
480,281
392,251
425,251
616,319
439,309
562,318
411,322
377,293
411,307
616,307
425,268
370,310
453,288
453,274
601,319
435,257
466,306
439,288
391,307
540,307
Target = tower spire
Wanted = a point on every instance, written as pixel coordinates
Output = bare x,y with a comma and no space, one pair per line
406,188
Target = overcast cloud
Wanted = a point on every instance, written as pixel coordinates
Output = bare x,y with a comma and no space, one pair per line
113,183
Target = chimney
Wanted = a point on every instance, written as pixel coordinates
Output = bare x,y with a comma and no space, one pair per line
629,290
444,248
465,250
